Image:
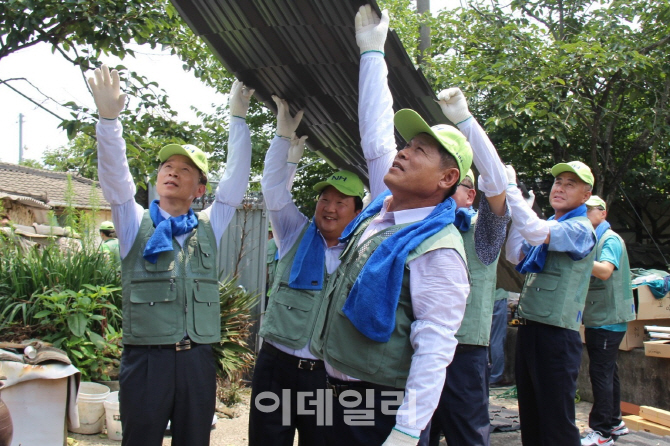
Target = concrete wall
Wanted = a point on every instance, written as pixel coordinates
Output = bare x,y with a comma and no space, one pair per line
644,379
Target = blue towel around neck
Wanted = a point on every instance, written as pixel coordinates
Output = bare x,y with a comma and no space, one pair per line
463,218
161,239
534,260
373,299
309,260
600,230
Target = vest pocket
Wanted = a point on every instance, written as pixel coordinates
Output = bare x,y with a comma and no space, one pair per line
538,294
152,310
288,314
206,307
206,256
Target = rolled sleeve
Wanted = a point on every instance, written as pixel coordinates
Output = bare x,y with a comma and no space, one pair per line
572,237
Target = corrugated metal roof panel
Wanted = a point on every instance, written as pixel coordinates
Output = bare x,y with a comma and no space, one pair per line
305,52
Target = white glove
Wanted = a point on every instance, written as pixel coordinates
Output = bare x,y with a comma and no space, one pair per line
296,149
511,175
286,125
398,438
107,93
238,102
371,31
453,104
531,199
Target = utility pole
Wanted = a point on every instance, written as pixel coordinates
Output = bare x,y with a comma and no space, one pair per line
20,137
424,30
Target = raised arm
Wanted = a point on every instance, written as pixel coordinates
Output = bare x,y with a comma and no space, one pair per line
113,171
231,189
375,103
280,161
492,177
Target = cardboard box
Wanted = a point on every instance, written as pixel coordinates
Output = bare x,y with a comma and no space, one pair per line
660,349
634,337
649,307
658,416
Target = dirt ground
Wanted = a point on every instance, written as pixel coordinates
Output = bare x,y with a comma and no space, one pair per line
233,431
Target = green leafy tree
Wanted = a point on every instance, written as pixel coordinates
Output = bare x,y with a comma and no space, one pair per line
553,81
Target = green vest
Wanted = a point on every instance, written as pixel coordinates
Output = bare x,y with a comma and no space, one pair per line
335,338
271,263
556,295
111,246
176,295
290,314
610,301
476,326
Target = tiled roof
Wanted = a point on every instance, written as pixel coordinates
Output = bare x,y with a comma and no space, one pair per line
305,52
49,187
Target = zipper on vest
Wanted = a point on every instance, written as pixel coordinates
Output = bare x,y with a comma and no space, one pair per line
197,285
171,284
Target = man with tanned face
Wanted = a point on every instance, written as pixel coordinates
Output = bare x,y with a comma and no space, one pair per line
557,258
389,314
308,253
171,304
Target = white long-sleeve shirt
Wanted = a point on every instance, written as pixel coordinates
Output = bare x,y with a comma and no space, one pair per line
492,176
438,280
287,220
119,189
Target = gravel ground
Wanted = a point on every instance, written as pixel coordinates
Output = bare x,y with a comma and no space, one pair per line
233,431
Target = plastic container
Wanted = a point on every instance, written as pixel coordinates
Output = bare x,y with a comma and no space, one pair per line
113,416
91,410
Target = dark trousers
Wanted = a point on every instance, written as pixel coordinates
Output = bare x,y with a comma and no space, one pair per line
603,348
363,413
463,412
286,398
547,365
498,336
158,385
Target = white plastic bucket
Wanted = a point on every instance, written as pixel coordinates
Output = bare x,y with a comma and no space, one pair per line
91,410
112,416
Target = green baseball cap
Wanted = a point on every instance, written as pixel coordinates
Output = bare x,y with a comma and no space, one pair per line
595,201
409,124
346,182
106,226
577,167
188,150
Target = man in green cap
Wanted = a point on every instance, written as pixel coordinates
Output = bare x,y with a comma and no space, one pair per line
170,273
308,253
557,257
463,411
389,315
609,307
110,244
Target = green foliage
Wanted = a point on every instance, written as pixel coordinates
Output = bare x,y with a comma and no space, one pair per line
37,300
233,355
85,325
555,82
31,163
